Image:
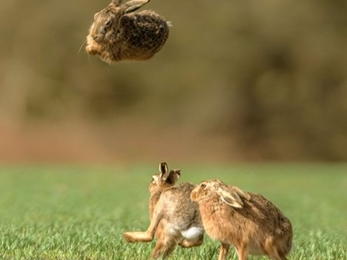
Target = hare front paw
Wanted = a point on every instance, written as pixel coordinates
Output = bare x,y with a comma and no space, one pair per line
129,237
137,237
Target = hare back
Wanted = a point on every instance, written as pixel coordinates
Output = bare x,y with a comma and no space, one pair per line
256,222
146,31
266,214
179,195
178,209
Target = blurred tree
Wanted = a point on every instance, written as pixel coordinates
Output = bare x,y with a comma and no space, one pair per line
270,74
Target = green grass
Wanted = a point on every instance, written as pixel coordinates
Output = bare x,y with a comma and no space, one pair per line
81,212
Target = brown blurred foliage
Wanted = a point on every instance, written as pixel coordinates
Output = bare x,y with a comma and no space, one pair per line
270,75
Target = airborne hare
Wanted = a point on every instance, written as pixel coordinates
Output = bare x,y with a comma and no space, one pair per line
245,220
175,219
118,33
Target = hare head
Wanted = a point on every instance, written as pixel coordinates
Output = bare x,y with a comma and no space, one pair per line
118,33
164,179
217,189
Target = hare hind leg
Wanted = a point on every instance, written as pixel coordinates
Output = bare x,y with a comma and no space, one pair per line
163,250
164,247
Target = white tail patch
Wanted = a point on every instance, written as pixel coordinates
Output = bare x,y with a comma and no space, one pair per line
192,233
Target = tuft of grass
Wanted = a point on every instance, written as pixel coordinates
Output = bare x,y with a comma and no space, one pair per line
74,212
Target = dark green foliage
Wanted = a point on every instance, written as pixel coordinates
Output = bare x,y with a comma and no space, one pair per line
270,74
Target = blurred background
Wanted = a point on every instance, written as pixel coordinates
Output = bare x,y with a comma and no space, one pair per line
236,81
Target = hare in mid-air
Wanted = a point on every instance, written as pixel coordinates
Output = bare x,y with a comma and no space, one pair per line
175,219
245,220
118,33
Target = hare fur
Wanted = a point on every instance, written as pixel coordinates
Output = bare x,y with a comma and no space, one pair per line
175,219
118,33
245,220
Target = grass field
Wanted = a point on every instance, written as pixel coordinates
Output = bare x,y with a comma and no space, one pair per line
70,212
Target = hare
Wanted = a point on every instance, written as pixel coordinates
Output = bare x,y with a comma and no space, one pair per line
119,34
246,220
175,219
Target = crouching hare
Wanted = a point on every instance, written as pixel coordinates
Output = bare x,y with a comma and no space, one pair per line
119,34
245,220
175,219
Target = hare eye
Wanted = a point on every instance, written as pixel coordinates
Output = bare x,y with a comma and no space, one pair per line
203,185
108,23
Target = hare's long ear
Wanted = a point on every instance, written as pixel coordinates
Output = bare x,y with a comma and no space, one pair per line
241,193
133,5
173,176
230,197
163,169
117,2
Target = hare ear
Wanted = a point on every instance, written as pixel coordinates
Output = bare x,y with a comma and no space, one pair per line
163,168
116,2
241,193
155,178
230,197
173,176
133,5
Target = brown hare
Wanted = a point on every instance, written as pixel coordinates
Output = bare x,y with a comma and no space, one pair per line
175,219
245,220
118,33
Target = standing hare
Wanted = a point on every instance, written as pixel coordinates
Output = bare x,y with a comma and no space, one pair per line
119,34
246,220
175,219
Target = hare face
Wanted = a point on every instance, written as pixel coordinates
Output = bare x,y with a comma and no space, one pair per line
100,31
102,26
204,190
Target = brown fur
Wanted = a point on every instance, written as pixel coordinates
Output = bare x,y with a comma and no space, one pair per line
172,214
119,34
246,220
